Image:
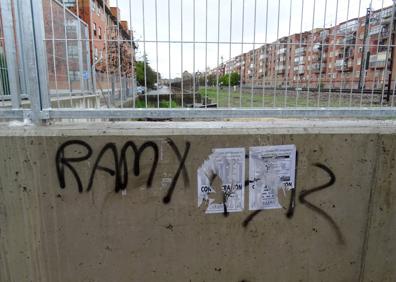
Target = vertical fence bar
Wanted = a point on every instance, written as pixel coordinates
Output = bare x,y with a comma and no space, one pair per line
106,46
41,53
34,54
194,55
361,61
229,72
119,54
312,46
92,57
80,60
288,53
156,51
241,56
300,46
321,53
10,51
169,55
254,53
218,52
366,44
377,49
181,53
3,74
206,53
276,54
393,94
265,50
54,55
334,48
144,56
343,55
22,79
390,37
132,54
65,26
80,52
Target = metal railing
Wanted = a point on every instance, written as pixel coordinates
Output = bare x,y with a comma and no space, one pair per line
156,59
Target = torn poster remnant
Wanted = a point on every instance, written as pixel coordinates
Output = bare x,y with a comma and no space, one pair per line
226,166
270,168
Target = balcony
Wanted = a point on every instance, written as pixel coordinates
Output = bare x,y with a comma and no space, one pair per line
280,69
343,65
379,60
317,68
263,56
348,27
386,15
349,40
282,59
324,34
319,48
300,51
379,30
281,51
299,60
299,69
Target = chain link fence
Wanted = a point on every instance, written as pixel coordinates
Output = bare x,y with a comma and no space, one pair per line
136,59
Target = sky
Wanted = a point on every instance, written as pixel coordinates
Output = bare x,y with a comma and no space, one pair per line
253,22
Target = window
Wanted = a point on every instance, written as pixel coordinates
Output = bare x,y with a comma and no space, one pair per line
94,28
72,51
93,5
74,75
69,3
100,32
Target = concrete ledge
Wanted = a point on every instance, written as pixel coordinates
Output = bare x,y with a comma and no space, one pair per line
234,127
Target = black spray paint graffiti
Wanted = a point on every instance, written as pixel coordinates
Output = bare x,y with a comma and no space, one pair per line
321,212
302,200
119,170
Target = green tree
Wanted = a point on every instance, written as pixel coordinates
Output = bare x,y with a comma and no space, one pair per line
151,75
232,79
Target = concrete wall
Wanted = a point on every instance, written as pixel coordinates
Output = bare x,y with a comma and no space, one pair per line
52,234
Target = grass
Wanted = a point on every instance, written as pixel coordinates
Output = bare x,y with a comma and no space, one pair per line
259,98
266,98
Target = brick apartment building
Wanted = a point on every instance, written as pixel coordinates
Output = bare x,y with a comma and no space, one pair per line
328,58
110,37
82,33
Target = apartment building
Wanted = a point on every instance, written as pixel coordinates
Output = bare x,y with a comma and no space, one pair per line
352,54
104,24
83,33
67,49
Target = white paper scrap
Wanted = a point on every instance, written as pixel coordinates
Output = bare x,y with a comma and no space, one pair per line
229,166
270,168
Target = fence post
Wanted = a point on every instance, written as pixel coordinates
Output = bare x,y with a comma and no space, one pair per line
80,59
34,56
10,51
112,96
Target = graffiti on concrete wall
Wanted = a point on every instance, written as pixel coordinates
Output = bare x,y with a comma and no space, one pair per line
302,199
128,157
121,163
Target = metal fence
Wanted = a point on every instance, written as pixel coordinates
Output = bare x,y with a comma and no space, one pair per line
136,59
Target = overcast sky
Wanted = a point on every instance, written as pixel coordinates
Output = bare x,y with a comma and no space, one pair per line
289,22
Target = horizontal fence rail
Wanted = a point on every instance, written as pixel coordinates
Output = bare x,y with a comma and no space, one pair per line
198,59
